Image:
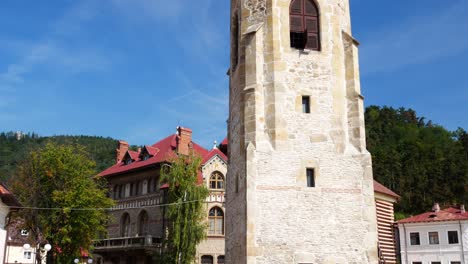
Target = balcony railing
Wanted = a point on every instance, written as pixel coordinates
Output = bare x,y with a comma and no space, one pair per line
128,242
138,202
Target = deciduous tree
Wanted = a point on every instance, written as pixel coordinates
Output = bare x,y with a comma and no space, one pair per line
65,201
186,212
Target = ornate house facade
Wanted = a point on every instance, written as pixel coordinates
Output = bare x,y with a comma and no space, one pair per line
139,219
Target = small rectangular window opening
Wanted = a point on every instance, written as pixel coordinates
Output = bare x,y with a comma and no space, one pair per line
310,177
414,239
433,238
306,104
453,237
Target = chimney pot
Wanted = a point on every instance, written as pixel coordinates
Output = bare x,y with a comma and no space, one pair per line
462,208
436,207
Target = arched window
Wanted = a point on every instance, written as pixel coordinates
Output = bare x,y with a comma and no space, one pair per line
217,181
125,225
143,223
216,221
304,25
207,259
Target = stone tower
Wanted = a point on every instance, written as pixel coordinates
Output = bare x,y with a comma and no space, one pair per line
300,186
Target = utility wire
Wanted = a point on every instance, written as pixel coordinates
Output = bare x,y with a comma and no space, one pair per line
98,209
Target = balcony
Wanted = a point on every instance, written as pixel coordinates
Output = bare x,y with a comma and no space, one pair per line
119,243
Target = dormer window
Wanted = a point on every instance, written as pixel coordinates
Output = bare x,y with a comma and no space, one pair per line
146,156
128,161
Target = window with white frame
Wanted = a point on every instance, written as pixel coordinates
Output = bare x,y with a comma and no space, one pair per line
27,254
414,239
433,238
216,221
452,237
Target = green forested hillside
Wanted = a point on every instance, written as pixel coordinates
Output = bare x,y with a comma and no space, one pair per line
423,162
12,150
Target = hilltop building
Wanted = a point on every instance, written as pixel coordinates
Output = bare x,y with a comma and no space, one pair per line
436,237
300,184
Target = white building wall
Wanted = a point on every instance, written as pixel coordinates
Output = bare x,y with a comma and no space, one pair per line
3,214
426,253
16,254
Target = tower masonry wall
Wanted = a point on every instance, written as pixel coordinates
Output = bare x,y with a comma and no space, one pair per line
271,215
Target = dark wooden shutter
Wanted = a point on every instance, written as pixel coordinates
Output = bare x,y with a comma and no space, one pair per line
310,8
311,24
296,23
312,41
296,7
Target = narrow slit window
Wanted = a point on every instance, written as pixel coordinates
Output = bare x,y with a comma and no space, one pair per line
306,104
310,177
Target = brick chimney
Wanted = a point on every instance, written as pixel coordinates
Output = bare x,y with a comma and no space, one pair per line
184,140
122,148
436,208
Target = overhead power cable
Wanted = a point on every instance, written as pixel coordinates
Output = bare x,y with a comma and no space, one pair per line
97,209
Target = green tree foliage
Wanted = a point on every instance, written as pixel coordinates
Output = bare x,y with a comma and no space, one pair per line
62,177
186,212
419,160
13,149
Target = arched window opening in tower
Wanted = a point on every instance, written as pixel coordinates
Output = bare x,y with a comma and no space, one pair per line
216,181
304,25
216,221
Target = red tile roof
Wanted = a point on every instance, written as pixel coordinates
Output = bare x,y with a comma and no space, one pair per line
7,197
225,141
379,188
163,151
449,214
213,153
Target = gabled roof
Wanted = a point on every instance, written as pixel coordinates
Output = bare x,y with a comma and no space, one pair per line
151,150
213,153
164,151
448,214
225,141
379,188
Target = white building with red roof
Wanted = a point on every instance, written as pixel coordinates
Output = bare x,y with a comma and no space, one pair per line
436,237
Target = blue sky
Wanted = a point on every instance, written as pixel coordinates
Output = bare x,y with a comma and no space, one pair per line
135,69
